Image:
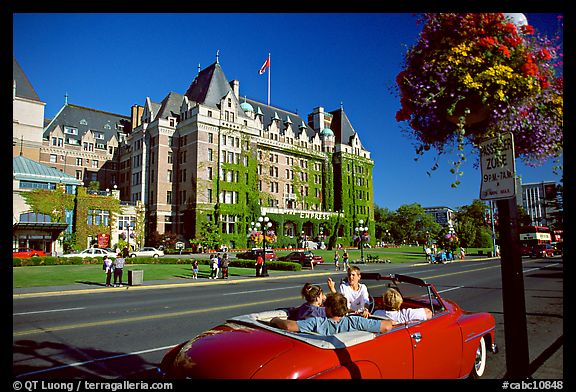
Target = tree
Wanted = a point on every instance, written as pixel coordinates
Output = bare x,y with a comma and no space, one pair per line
209,236
410,223
382,222
473,229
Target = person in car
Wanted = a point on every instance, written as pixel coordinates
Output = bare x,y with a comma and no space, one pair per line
355,292
314,305
337,320
392,301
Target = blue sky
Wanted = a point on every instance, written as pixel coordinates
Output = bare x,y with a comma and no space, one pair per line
111,61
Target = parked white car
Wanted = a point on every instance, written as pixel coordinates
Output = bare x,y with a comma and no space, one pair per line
92,252
147,251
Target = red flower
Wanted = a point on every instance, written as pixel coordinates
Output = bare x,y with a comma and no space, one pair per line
504,51
527,29
486,42
544,54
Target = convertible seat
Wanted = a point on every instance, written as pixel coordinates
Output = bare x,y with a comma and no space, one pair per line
330,342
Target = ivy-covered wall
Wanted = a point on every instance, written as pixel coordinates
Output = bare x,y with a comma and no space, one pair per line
86,202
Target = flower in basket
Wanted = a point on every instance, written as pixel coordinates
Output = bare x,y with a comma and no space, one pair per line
478,75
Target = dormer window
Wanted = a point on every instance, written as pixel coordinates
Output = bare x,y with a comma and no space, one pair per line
70,130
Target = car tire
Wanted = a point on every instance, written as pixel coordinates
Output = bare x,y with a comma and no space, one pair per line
155,256
479,360
132,255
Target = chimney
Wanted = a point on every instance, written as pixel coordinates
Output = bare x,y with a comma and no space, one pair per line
235,84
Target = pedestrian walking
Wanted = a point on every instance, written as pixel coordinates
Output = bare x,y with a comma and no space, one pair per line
462,253
108,269
213,267
345,259
224,266
428,254
337,260
118,269
195,269
259,264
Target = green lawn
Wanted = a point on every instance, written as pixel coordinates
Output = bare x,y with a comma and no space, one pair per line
56,275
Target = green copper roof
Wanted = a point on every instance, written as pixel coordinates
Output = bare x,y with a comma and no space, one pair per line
29,170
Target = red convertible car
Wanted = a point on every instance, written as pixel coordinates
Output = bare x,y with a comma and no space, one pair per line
452,344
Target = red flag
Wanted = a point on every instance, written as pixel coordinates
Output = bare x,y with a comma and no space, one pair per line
264,66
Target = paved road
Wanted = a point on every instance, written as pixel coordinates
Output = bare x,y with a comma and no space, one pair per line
124,332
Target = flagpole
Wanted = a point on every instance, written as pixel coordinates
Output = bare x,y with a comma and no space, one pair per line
269,67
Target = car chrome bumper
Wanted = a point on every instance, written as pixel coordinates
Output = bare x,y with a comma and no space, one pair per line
494,348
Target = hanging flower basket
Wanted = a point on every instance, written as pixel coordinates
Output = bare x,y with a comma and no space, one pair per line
474,76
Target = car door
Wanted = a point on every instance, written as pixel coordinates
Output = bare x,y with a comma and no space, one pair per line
436,347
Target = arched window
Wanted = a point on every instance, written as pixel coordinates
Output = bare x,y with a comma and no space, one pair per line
34,217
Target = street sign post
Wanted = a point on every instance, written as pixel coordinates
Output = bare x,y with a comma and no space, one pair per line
499,183
498,168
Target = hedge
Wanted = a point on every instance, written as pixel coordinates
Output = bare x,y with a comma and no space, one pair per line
241,263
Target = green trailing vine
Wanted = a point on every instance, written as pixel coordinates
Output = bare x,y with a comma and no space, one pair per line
54,203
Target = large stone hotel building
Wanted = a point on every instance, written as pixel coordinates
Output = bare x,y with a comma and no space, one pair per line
211,155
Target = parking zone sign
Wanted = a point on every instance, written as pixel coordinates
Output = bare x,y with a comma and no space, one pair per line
497,162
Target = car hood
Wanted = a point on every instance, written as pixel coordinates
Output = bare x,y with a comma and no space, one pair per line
231,350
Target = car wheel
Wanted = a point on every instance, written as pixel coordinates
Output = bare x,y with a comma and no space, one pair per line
479,360
132,255
155,256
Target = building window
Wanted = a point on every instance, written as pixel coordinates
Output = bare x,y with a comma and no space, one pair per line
169,197
53,158
33,217
210,155
228,223
98,218
88,146
57,141
70,130
36,185
210,138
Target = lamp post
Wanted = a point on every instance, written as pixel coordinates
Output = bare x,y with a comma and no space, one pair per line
360,231
262,226
387,237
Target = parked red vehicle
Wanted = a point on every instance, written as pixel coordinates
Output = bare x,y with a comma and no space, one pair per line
252,254
452,344
543,250
303,257
27,252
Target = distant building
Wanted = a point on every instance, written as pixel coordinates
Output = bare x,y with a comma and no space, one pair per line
209,155
27,116
31,229
542,202
83,142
